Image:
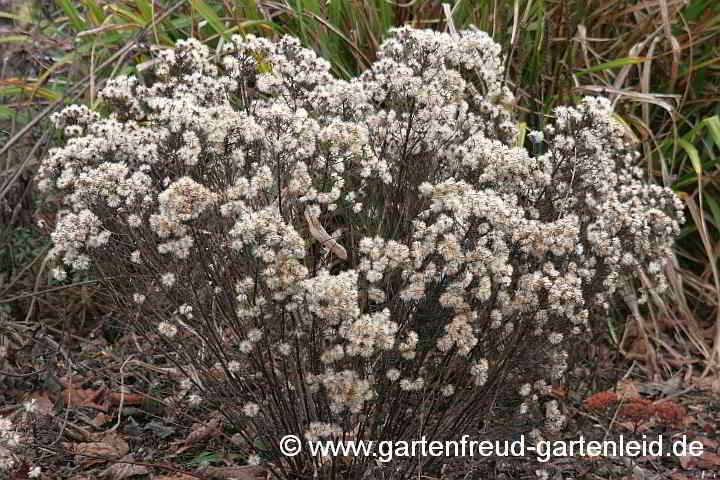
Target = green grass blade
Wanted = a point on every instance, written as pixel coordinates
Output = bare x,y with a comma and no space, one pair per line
620,62
522,131
209,14
8,113
73,15
130,15
462,13
145,9
692,153
96,14
714,208
11,16
31,89
110,28
15,39
713,125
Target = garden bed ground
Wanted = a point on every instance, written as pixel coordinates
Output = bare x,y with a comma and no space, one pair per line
111,410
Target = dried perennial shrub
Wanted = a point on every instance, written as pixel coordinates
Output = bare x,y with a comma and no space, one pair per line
471,265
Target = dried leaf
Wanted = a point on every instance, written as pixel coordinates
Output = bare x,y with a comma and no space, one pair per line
638,350
238,440
709,443
707,384
249,472
679,476
685,461
668,387
175,476
126,398
120,470
159,429
202,431
109,446
559,391
199,432
320,234
708,460
627,389
42,403
101,419
79,397
6,454
95,452
72,381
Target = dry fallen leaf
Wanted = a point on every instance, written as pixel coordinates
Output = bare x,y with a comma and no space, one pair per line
238,440
116,398
249,472
6,454
120,470
627,389
709,460
41,402
200,431
707,384
638,350
679,476
72,381
709,443
685,461
108,447
706,461
559,391
80,397
174,476
638,427
101,419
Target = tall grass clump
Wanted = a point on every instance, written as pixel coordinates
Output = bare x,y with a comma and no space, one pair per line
366,259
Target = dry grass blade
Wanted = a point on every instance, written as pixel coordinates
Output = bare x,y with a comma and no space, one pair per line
698,216
654,98
674,311
448,19
675,45
643,328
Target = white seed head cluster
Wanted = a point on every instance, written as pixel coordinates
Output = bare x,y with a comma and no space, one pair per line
347,391
194,400
251,409
10,439
318,430
554,418
9,436
219,185
167,329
